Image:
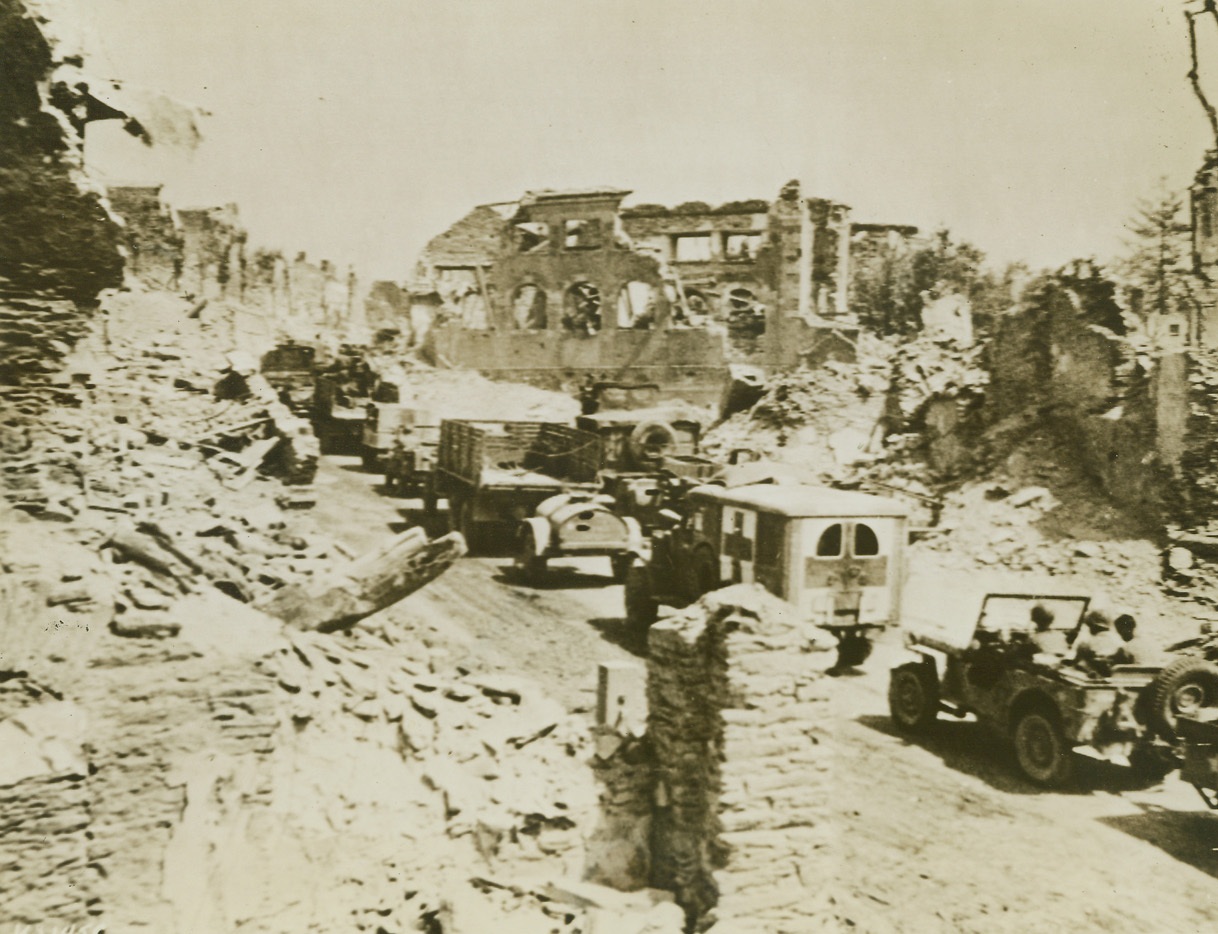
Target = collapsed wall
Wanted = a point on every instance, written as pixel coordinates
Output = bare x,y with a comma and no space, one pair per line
1124,410
738,720
59,246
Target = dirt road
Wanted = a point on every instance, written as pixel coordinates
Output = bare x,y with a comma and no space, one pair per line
933,835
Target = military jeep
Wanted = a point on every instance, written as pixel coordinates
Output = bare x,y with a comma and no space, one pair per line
1046,706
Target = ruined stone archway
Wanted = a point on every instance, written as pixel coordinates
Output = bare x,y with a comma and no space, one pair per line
582,308
529,307
638,306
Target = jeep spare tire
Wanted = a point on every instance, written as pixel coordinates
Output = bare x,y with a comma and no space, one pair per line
650,441
1183,688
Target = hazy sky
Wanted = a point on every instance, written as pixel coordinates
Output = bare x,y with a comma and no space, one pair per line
358,129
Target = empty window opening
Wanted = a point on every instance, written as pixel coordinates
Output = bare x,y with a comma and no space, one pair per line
1173,330
741,245
745,315
692,309
473,311
529,308
636,306
532,237
581,234
830,543
866,542
692,248
582,308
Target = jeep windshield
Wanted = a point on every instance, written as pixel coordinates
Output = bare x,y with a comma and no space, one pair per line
1006,613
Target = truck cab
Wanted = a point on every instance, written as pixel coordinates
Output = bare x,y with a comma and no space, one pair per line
837,556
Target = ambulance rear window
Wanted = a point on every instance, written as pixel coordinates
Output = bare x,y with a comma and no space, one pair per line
830,543
866,543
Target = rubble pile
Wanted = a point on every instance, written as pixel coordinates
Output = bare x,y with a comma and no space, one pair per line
507,760
141,455
457,394
501,773
1036,512
824,419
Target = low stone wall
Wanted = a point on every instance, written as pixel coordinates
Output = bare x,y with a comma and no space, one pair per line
737,718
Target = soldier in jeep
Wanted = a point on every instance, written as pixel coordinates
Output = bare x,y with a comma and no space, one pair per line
1100,648
1044,639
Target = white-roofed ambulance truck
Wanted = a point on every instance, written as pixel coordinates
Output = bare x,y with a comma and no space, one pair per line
837,556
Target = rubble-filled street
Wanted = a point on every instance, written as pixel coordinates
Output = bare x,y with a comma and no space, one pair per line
606,566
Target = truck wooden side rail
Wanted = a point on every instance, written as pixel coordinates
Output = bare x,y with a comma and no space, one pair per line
495,473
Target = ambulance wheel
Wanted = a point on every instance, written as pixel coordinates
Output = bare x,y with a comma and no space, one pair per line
641,607
853,648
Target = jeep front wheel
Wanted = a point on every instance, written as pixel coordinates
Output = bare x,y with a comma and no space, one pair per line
1041,750
913,697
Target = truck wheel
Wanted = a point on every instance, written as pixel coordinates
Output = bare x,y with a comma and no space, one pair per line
621,566
1183,688
641,607
913,697
532,567
1041,751
468,526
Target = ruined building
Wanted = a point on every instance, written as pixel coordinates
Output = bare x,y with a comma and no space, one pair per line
204,252
563,284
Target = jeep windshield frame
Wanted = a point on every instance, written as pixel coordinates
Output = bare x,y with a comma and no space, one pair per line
1004,613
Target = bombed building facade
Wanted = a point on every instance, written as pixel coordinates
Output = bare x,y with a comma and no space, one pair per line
563,284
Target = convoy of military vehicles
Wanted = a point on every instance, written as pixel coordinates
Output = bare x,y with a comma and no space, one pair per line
628,481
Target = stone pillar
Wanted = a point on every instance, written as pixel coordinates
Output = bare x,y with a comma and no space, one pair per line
841,303
807,246
737,711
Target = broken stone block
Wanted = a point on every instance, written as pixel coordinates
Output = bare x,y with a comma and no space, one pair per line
1029,495
43,739
140,626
